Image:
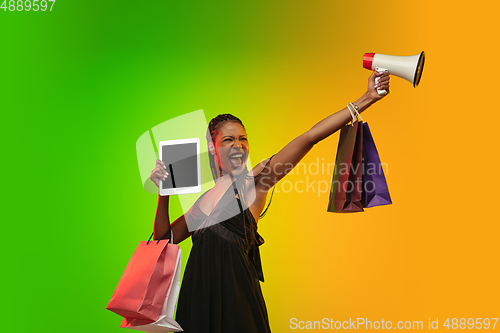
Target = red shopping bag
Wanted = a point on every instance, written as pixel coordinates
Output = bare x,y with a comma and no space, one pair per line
142,289
346,189
166,321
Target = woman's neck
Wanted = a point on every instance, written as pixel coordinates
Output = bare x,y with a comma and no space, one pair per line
225,179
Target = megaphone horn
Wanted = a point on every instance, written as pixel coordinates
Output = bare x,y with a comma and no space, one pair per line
409,68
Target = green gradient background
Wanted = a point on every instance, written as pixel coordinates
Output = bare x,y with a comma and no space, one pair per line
80,84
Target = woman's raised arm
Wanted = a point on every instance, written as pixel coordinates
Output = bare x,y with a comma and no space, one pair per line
288,157
162,220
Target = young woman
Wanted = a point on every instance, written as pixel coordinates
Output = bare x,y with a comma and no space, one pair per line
221,290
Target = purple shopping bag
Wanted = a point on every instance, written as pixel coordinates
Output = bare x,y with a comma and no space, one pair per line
375,190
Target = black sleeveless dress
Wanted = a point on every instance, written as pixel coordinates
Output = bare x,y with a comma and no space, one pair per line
220,291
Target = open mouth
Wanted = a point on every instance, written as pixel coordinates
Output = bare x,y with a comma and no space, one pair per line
236,159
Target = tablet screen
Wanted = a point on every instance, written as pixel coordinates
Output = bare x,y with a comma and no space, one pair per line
181,163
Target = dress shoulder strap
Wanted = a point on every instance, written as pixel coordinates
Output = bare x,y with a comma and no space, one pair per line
264,168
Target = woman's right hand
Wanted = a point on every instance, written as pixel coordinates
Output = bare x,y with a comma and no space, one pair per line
377,81
158,173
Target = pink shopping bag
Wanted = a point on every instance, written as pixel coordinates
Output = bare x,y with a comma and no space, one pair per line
166,321
142,289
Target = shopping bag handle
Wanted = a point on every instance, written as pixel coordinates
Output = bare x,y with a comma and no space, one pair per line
352,114
168,232
353,109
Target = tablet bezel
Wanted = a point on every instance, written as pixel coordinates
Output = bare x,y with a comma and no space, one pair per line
181,190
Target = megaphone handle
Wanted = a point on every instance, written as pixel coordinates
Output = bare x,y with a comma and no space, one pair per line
381,70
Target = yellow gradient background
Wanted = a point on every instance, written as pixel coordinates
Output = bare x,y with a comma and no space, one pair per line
434,252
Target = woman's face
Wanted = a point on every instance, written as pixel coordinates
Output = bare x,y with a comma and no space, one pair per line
231,146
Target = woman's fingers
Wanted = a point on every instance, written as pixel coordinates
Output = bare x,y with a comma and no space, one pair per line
384,77
157,177
381,85
376,77
381,77
382,81
376,82
161,167
160,163
163,174
158,173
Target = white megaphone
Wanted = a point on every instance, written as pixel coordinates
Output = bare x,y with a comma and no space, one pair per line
406,67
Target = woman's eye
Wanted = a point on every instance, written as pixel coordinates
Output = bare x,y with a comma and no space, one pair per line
244,139
227,140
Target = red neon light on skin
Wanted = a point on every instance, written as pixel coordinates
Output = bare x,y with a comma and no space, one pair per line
368,60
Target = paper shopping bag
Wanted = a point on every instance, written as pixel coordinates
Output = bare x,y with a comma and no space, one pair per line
346,189
375,190
165,322
355,184
142,289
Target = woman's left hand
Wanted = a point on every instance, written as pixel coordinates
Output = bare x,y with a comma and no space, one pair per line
374,85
